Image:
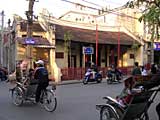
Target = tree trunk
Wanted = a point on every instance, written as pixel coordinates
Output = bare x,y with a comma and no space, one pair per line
152,51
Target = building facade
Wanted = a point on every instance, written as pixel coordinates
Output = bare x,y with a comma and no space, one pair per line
64,43
114,31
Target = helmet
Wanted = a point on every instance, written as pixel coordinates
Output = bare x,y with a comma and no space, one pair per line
40,62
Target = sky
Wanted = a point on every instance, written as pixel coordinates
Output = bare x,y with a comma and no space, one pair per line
56,7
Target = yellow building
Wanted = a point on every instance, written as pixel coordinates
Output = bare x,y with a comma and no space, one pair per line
40,46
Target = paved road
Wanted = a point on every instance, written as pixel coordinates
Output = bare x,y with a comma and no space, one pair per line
75,102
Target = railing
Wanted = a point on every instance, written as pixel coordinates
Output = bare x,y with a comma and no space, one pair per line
78,73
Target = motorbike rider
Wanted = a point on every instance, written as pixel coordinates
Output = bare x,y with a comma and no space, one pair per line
94,69
41,74
113,70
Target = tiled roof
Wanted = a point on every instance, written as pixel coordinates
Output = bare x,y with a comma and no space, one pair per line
89,36
36,27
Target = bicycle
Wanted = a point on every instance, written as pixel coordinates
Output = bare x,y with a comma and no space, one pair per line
47,98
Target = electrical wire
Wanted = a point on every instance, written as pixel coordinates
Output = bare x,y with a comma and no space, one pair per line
113,11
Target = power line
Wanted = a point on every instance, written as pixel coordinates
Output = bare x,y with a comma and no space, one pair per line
80,4
108,11
92,3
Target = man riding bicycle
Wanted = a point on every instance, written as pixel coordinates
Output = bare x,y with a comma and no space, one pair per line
41,74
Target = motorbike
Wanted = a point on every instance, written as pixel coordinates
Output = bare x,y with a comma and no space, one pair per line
113,77
91,76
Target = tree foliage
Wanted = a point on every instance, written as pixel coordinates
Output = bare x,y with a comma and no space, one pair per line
67,39
150,14
67,42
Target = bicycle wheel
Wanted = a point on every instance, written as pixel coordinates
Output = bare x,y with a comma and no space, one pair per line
49,101
144,116
107,113
17,96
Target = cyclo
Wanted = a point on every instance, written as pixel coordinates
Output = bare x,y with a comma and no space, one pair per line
136,109
22,92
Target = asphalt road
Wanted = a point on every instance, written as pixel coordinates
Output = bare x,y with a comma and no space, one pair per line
75,102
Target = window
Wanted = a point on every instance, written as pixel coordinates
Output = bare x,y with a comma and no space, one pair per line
60,55
131,56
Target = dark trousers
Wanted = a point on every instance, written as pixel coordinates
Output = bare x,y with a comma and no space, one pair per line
40,87
158,110
2,76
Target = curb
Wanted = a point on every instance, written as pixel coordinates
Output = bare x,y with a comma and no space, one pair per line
66,82
70,82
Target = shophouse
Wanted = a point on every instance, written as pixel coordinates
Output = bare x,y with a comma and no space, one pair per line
41,45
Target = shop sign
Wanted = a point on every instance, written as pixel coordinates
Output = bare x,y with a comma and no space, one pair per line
156,46
29,41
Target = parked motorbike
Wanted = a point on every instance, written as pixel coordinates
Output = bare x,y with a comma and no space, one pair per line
90,76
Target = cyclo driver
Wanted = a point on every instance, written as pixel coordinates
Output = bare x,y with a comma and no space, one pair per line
41,74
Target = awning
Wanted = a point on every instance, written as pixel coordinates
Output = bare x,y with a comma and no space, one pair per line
44,46
89,36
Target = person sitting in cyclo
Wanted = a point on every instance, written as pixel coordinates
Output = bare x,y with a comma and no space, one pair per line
127,93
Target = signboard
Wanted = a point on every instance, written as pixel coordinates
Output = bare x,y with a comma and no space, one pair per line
88,50
29,41
156,46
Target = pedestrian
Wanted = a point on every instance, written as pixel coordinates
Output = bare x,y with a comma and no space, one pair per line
144,71
3,73
153,69
18,73
41,74
136,69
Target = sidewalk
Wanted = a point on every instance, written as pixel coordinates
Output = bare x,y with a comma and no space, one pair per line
65,82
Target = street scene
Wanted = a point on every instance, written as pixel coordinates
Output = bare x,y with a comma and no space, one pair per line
75,102
80,60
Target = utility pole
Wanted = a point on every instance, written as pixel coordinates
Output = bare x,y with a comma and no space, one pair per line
1,42
29,15
9,46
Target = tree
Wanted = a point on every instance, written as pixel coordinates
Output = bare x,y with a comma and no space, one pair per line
151,16
67,43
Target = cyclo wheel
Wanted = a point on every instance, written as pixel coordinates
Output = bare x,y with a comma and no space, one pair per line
17,96
49,101
107,113
144,116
